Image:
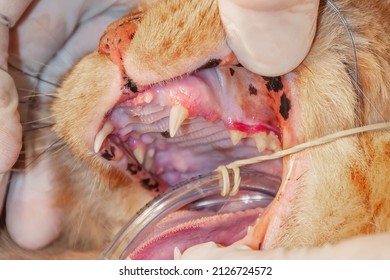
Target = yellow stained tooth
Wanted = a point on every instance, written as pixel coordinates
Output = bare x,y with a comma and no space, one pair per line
177,116
236,136
139,154
273,142
101,136
261,141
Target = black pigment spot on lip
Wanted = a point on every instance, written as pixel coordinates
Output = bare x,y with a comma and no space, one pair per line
252,90
149,184
239,65
107,155
210,64
274,83
132,36
134,168
231,71
166,134
285,106
132,86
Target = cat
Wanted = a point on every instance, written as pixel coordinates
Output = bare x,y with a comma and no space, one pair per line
330,192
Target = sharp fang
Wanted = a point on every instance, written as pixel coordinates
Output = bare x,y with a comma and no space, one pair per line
236,136
177,116
139,154
261,141
273,142
101,136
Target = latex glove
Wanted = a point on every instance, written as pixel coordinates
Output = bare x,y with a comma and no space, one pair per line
269,37
10,127
362,247
47,41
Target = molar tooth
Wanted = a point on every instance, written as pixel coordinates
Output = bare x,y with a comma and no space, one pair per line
236,136
139,154
260,140
273,142
101,136
177,116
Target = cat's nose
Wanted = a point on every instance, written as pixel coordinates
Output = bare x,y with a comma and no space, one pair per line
118,36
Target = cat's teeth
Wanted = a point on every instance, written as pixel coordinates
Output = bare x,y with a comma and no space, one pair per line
101,136
139,154
148,163
261,141
177,116
236,136
176,253
273,142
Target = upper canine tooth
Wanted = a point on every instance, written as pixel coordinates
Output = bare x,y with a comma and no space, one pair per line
236,136
177,116
273,142
101,136
260,140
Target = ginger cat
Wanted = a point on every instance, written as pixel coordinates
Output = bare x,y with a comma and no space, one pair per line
154,78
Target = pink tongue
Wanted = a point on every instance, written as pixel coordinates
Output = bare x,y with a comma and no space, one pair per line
224,229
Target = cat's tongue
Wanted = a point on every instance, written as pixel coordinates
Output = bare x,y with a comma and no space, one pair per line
184,229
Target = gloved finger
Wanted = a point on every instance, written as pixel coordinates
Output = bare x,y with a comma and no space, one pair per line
33,217
268,37
362,247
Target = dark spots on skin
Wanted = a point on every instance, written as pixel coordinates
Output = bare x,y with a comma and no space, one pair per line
149,184
132,86
285,106
231,71
166,134
106,154
134,168
210,64
239,65
274,83
252,90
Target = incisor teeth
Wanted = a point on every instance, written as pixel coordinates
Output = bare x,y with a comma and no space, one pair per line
101,136
261,141
236,136
177,116
273,142
139,154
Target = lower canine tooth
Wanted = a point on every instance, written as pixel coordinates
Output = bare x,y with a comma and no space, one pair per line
261,141
236,136
177,116
139,154
101,136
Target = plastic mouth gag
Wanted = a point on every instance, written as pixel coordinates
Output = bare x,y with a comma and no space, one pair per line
193,212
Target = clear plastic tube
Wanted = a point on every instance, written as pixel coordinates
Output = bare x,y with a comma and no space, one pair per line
197,194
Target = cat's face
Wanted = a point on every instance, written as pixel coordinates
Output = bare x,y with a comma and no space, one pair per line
164,99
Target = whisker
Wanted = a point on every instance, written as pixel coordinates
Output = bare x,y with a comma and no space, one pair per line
37,120
35,76
34,61
34,127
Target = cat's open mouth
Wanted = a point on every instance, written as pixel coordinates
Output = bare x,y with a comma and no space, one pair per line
171,131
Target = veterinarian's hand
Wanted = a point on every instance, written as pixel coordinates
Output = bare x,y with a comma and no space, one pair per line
51,37
362,247
10,127
269,37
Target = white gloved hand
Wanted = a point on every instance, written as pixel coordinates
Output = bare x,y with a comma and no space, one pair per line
362,247
269,37
51,37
